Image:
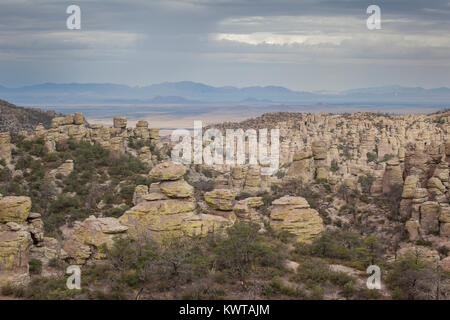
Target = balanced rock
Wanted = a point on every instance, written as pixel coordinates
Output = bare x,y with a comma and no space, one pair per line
14,209
221,199
167,170
293,214
177,189
90,237
78,118
120,122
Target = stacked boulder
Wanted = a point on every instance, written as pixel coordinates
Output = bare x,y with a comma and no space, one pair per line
169,208
63,128
20,231
113,139
88,239
393,176
245,178
302,166
246,210
221,199
425,198
294,215
319,150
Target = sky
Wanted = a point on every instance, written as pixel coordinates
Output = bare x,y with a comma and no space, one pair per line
302,45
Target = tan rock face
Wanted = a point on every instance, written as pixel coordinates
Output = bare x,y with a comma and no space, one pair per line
14,252
171,217
319,150
66,168
19,229
50,249
393,176
220,199
200,225
412,226
445,230
5,147
245,210
120,122
445,264
145,155
435,186
14,209
302,167
294,215
139,193
444,215
78,118
429,215
89,238
410,186
177,189
154,133
167,170
253,179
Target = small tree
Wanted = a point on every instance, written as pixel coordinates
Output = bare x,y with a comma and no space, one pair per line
243,249
412,278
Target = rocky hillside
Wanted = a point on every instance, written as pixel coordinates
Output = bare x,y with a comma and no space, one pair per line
16,119
353,190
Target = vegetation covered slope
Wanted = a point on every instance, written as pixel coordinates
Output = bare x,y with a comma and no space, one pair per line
15,119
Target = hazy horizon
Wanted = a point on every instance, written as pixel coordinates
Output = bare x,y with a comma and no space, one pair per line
303,46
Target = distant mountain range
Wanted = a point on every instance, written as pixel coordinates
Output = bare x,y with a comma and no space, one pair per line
187,92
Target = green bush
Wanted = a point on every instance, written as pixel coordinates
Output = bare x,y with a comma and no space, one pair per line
35,266
371,157
334,166
244,249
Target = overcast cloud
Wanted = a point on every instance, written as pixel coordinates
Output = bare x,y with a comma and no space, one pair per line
302,45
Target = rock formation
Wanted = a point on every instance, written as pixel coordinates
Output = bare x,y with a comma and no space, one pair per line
20,232
293,214
88,239
169,209
5,147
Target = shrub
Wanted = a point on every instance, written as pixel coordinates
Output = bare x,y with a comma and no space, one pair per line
412,278
204,185
366,183
276,285
35,266
371,157
387,157
244,249
334,166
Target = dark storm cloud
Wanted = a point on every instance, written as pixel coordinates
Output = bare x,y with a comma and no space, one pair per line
238,42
